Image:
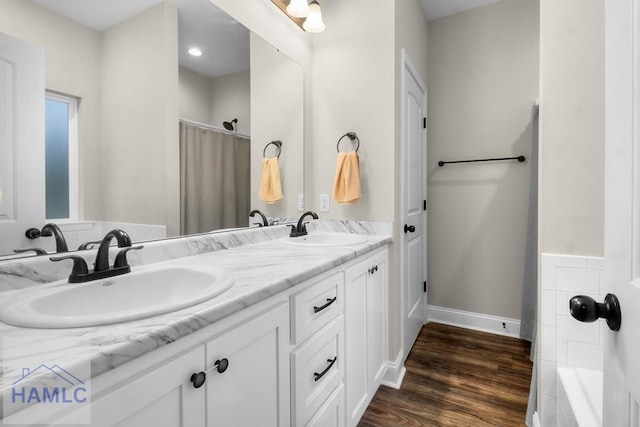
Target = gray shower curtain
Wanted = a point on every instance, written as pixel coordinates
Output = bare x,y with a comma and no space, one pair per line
214,179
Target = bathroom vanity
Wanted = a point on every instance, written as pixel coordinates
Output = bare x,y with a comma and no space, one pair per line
300,339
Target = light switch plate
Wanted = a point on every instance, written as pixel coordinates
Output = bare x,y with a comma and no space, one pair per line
324,203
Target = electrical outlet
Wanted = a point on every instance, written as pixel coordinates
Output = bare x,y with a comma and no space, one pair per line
324,203
300,202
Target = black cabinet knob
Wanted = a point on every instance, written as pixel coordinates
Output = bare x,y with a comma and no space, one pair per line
409,228
221,365
198,379
586,309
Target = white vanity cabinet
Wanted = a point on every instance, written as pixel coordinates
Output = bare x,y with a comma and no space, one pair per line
366,332
252,389
313,355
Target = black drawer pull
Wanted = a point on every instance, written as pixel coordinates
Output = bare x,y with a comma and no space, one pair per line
317,376
329,302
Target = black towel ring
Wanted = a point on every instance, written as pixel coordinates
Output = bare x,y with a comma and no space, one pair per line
278,145
352,136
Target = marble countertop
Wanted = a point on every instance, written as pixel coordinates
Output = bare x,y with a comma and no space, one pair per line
260,269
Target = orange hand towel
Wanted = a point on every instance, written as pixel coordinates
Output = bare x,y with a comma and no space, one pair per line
346,186
270,186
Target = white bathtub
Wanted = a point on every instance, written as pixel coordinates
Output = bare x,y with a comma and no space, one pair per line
579,398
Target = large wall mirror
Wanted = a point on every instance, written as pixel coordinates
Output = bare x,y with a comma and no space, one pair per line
167,143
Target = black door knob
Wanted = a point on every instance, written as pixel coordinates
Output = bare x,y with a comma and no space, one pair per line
198,379
586,309
409,228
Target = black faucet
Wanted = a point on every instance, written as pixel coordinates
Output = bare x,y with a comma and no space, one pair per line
265,223
102,257
52,229
80,273
301,228
88,245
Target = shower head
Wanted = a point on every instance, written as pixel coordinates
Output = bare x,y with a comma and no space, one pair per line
229,125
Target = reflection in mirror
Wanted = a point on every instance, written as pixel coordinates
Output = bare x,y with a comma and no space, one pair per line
215,180
126,68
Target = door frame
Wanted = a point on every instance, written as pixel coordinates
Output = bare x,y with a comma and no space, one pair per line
407,64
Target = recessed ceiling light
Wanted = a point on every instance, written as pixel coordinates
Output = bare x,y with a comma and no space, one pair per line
194,51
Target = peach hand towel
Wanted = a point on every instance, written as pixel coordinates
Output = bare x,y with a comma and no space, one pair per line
346,186
270,186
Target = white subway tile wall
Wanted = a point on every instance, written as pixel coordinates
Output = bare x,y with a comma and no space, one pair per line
564,340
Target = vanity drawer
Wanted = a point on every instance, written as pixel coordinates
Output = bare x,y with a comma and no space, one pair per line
316,306
332,412
317,370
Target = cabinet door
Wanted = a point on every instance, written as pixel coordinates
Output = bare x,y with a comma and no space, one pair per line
377,321
254,388
163,397
365,332
355,288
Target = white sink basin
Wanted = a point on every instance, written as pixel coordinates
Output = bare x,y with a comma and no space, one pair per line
327,239
145,292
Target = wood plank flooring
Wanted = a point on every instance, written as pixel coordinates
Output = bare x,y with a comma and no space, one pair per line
460,378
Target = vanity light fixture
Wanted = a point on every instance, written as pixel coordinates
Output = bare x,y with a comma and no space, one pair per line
194,51
314,23
298,10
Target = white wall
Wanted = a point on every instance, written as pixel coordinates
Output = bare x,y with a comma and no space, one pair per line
277,100
140,114
353,91
482,83
572,127
194,96
231,99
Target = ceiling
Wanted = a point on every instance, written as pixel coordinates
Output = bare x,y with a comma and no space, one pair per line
435,9
224,42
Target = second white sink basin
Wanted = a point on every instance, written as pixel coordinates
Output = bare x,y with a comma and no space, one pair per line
327,239
146,291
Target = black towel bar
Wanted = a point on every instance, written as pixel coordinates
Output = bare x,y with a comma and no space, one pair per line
518,158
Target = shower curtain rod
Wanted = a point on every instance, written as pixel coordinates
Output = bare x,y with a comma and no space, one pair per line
212,127
518,158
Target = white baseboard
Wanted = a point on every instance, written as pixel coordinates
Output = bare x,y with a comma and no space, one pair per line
477,321
395,372
536,420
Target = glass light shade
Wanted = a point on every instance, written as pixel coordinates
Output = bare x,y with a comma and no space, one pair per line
313,23
298,8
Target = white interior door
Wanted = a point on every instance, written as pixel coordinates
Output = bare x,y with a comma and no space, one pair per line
414,196
622,211
21,141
